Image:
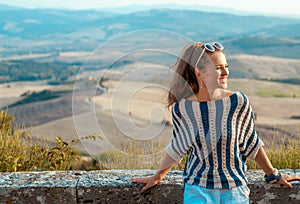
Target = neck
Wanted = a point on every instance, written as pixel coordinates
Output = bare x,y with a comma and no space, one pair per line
203,95
208,95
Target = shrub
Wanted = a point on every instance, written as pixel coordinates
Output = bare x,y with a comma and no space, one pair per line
20,151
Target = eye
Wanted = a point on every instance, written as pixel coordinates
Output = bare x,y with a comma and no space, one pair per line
222,66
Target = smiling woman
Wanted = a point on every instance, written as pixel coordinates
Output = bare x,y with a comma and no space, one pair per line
215,128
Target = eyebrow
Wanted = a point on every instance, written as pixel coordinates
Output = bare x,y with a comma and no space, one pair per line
221,65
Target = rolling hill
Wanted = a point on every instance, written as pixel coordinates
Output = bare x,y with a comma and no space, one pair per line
54,30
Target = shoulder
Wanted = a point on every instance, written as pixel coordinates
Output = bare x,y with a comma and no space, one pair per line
229,93
238,99
182,107
237,95
241,95
243,99
176,109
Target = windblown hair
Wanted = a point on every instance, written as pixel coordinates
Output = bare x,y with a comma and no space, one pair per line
184,81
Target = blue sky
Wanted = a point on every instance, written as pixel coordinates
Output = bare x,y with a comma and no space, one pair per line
262,6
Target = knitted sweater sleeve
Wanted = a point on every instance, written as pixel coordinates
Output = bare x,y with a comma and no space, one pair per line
180,143
250,141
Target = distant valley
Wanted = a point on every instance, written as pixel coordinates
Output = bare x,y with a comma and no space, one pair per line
261,47
44,51
24,31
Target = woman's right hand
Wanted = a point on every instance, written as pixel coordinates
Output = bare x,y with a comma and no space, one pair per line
149,181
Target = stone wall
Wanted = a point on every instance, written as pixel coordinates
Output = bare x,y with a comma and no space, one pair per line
114,186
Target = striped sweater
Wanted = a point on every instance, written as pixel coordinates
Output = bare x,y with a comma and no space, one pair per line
219,135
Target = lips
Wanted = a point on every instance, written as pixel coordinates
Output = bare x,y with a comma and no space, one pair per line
223,79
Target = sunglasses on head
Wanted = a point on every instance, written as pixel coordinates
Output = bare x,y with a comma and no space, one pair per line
211,47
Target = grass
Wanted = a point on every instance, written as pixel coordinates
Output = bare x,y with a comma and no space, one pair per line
283,151
271,92
133,155
287,158
19,151
283,154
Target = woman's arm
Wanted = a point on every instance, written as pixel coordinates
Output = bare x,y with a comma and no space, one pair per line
151,181
263,161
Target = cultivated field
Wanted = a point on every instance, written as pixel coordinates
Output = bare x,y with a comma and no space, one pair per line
145,108
141,101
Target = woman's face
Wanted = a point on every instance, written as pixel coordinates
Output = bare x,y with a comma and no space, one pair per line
216,74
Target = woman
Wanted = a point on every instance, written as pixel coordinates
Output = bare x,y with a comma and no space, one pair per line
215,126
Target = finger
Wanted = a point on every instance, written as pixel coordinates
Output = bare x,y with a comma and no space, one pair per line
285,183
146,187
139,180
294,178
290,177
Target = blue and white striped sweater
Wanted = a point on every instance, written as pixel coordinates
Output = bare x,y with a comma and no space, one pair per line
219,136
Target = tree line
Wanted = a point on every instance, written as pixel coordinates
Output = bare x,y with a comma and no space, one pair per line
30,70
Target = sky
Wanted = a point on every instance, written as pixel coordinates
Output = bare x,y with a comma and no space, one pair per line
291,7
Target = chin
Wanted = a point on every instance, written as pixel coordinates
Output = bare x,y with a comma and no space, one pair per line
223,86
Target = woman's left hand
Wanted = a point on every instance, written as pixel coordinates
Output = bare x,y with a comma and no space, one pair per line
286,179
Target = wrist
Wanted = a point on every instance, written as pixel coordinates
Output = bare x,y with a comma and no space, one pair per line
158,176
272,171
273,177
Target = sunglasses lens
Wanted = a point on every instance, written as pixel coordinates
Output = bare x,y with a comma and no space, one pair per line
209,47
218,46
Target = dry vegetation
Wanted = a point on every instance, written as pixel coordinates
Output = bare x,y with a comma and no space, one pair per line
20,151
276,105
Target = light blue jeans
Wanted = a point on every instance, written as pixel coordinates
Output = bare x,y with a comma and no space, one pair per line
196,194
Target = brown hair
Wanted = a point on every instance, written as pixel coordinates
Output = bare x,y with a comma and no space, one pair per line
184,81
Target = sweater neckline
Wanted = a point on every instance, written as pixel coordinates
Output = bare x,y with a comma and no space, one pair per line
213,101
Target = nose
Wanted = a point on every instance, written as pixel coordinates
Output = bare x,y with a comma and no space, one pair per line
225,71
